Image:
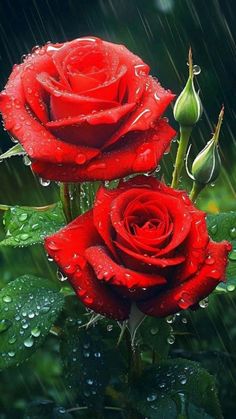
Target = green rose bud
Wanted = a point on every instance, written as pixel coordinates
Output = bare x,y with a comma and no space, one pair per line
188,107
206,166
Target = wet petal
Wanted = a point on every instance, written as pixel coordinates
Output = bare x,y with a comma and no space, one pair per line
67,247
190,292
138,154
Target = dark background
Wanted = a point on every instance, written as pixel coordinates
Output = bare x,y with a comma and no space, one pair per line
160,31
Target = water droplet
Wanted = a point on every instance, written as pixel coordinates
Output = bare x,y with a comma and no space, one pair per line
4,325
26,161
45,309
11,354
61,277
97,354
171,339
28,343
89,381
185,300
23,216
109,327
209,260
196,70
154,330
230,287
44,182
151,397
6,299
35,332
183,379
80,158
12,340
204,303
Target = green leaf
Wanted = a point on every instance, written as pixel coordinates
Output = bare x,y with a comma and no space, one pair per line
223,227
28,308
28,225
176,388
16,150
90,361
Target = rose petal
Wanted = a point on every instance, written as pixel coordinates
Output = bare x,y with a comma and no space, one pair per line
66,104
138,154
67,247
190,292
90,130
109,271
154,101
37,141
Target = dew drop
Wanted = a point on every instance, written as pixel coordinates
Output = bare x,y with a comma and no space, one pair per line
230,287
151,397
61,277
28,343
12,340
80,158
23,216
4,325
109,327
26,161
35,332
6,299
44,182
196,70
11,354
171,339
204,303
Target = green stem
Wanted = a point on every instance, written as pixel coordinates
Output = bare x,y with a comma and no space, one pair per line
185,133
65,199
196,189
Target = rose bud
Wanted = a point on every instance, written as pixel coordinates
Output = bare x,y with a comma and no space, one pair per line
142,243
206,166
188,107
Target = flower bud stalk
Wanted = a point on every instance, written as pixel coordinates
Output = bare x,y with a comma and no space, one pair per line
187,111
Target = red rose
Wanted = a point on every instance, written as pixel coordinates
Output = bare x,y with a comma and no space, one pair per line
86,110
142,242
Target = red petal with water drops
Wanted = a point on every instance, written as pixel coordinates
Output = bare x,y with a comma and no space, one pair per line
140,153
67,247
190,292
154,101
109,271
90,130
37,141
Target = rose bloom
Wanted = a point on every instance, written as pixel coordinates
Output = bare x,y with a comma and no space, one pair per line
86,110
143,242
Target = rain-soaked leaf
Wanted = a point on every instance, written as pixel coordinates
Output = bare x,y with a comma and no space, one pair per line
90,360
176,388
223,227
16,150
28,225
28,308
